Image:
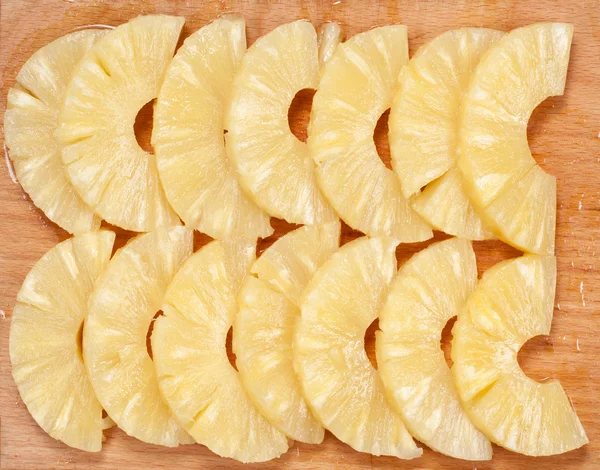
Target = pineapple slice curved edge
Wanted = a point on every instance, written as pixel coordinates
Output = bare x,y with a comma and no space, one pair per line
198,382
429,290
30,120
199,181
44,352
513,195
121,309
339,383
263,329
356,87
512,303
120,74
423,128
273,166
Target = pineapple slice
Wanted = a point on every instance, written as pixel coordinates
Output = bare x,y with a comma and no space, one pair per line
274,167
46,358
30,120
446,206
263,329
199,181
120,310
429,290
512,303
120,74
201,387
357,86
515,197
340,385
423,129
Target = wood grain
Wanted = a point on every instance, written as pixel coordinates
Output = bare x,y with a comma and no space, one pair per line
565,138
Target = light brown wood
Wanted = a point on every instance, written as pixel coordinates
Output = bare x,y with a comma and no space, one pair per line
564,136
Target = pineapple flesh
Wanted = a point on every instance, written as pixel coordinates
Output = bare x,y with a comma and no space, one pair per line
120,310
269,304
515,197
428,291
116,78
512,303
274,167
340,385
199,384
199,181
356,87
423,129
30,120
46,358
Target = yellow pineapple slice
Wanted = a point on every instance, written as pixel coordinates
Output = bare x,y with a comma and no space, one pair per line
274,167
30,120
423,129
339,383
45,348
199,181
357,86
263,329
515,198
445,205
120,310
120,74
511,304
430,289
199,384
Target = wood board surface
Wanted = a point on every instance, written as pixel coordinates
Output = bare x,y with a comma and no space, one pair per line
564,135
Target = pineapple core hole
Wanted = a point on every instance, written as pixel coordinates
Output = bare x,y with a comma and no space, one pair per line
537,358
370,342
149,333
142,127
380,137
229,348
299,113
79,340
446,341
541,142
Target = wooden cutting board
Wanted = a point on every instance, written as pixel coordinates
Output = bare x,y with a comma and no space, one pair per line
564,134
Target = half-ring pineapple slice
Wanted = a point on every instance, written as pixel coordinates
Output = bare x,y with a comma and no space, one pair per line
515,197
357,86
46,359
30,120
423,125
199,181
263,330
511,304
274,167
120,74
340,385
203,390
430,289
126,298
